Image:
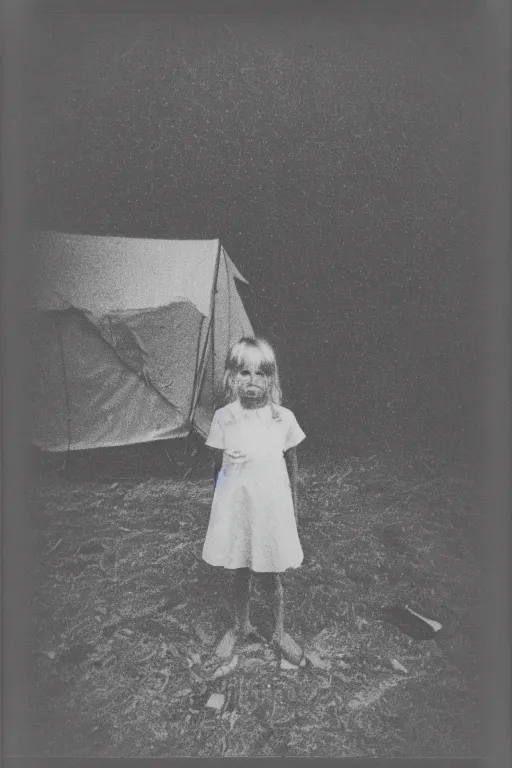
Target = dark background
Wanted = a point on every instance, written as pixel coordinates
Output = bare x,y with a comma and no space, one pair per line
337,156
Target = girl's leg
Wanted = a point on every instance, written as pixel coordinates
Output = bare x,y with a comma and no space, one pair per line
277,592
281,640
273,587
241,587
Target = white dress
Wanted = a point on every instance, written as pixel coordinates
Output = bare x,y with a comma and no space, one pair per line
252,522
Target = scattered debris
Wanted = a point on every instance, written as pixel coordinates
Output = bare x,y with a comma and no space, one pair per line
287,666
360,622
183,692
436,626
225,669
225,647
233,717
216,701
399,667
320,636
407,622
365,699
317,662
166,674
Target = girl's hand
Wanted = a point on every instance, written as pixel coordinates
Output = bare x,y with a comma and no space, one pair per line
217,464
236,454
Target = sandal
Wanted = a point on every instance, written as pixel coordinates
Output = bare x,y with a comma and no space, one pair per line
290,650
224,649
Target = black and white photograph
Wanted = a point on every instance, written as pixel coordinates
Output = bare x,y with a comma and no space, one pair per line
253,326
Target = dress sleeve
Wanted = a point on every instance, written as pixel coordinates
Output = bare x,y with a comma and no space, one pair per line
215,437
294,434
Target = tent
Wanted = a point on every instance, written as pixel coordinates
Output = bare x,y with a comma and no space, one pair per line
129,338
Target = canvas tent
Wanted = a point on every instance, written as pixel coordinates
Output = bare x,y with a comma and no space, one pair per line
129,338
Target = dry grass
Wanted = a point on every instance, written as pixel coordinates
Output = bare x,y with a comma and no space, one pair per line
124,604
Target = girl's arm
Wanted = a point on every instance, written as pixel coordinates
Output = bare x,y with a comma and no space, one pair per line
291,462
217,463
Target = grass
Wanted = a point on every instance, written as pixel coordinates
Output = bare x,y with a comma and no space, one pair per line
126,616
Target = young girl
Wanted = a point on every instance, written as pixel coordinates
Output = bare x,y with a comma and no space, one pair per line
253,522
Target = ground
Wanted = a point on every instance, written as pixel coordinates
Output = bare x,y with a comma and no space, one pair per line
126,616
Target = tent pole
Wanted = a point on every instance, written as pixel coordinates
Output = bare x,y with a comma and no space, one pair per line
197,371
66,388
210,330
214,294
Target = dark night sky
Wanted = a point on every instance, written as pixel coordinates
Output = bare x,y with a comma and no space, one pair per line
336,156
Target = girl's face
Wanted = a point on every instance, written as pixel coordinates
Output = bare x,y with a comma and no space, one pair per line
252,385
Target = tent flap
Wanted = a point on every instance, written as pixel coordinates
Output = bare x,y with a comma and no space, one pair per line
161,345
84,396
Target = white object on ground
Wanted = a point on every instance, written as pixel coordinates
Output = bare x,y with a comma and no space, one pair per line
398,667
317,662
286,665
436,626
225,648
216,701
225,669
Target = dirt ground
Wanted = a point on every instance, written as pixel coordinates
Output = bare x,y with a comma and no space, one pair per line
126,616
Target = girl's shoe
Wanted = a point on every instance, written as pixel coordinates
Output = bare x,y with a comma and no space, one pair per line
224,649
288,649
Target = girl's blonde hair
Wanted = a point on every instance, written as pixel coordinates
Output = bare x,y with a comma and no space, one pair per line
252,351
